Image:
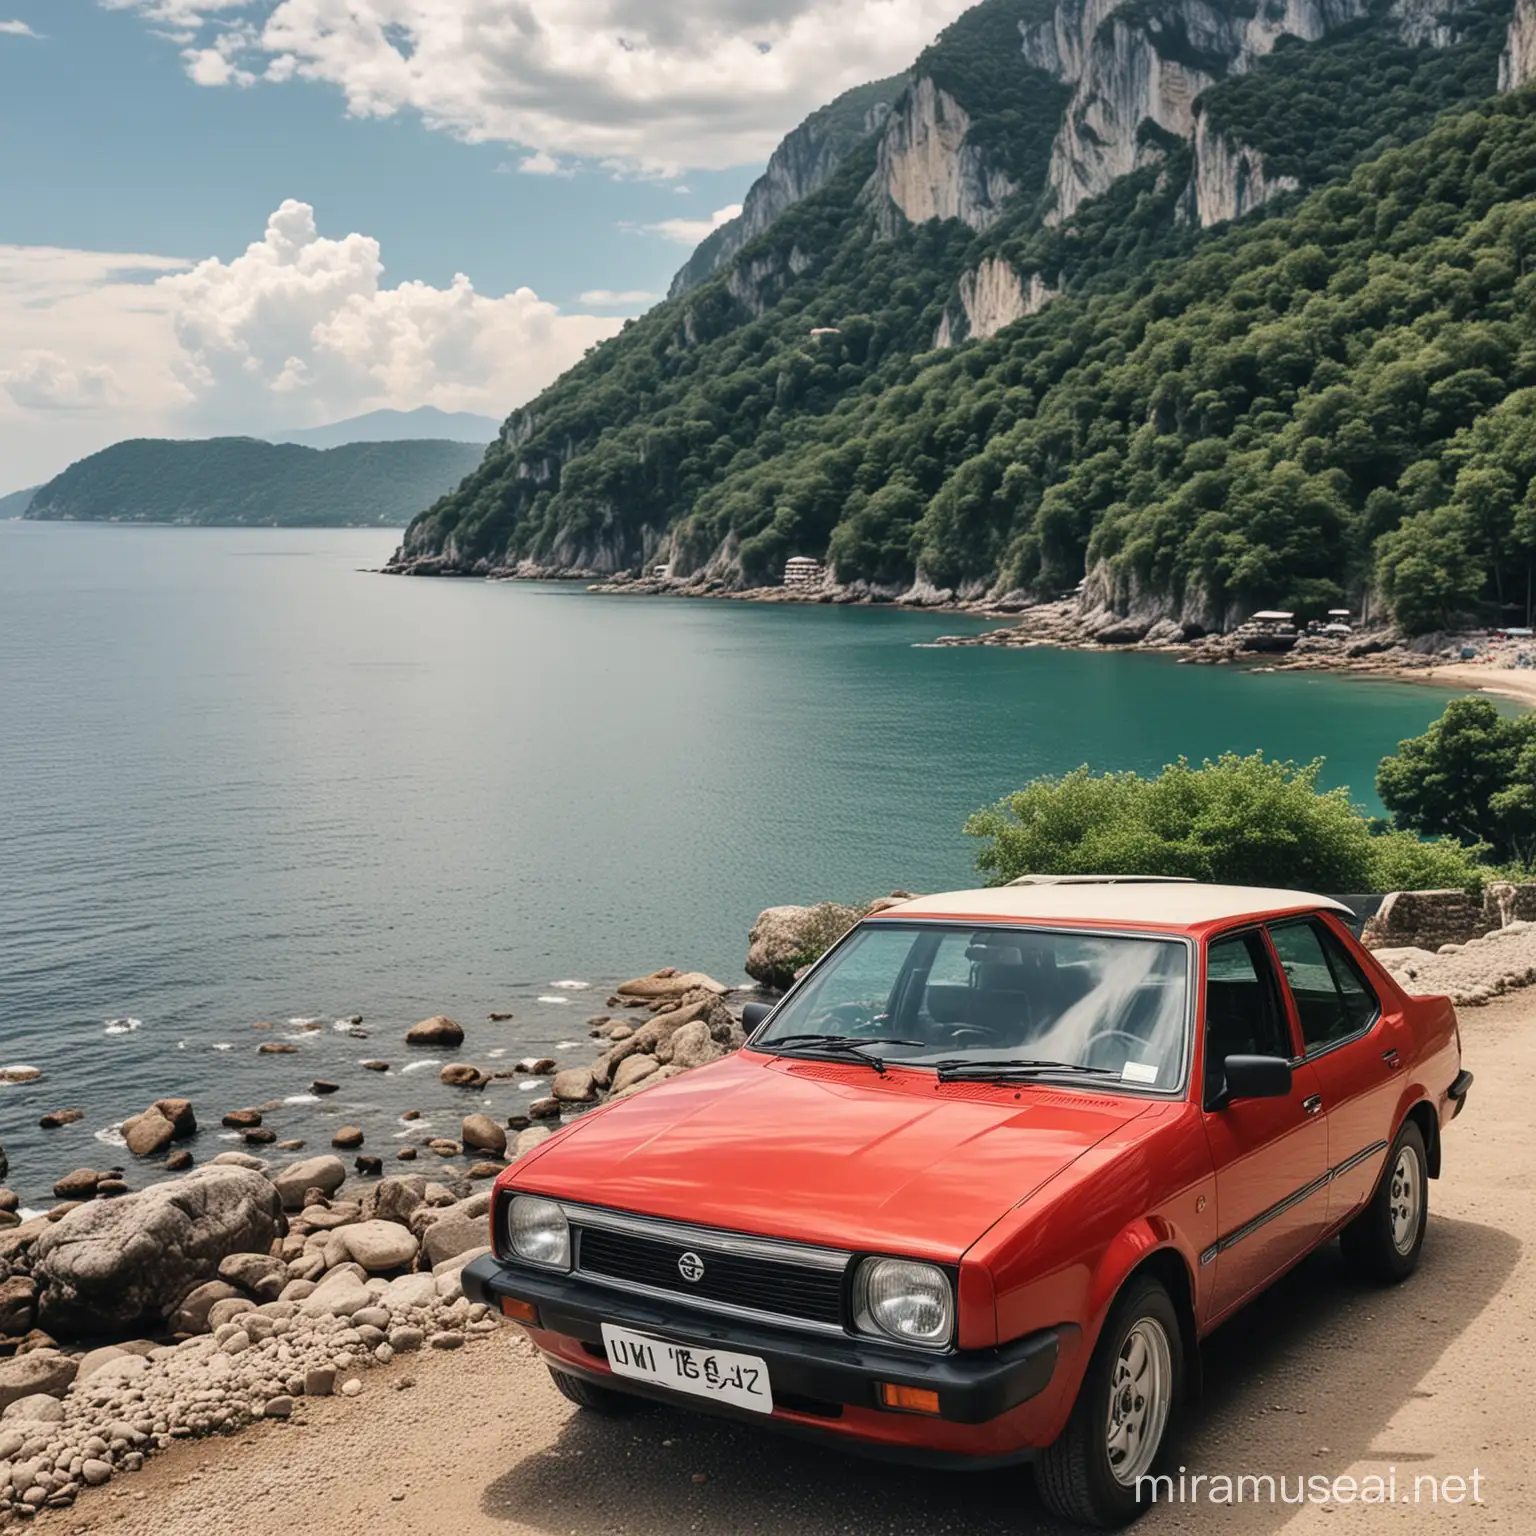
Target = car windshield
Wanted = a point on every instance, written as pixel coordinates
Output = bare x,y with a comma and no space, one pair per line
986,1000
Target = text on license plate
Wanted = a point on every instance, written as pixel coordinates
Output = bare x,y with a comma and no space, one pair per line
741,1380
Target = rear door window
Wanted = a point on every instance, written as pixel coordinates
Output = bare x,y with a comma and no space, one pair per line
1333,999
1243,1015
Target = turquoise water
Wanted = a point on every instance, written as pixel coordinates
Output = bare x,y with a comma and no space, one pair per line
243,780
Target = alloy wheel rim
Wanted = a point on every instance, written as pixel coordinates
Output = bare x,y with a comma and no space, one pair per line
1140,1395
1406,1200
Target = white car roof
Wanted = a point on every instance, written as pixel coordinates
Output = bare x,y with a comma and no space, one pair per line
1176,904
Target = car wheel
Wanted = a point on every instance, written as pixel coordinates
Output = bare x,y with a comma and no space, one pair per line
589,1395
1122,1422
1383,1241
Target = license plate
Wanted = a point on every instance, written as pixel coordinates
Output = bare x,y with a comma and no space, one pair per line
741,1380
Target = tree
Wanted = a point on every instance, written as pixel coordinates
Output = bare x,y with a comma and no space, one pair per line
1238,820
1471,775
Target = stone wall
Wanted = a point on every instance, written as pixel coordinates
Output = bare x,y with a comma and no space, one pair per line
1428,919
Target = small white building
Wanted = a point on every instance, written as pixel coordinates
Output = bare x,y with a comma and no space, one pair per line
801,571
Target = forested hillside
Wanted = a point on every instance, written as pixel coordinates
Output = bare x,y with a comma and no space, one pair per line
1253,331
238,480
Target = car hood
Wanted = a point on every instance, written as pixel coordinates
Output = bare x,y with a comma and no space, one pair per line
825,1152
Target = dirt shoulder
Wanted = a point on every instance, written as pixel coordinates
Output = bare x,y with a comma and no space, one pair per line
1320,1378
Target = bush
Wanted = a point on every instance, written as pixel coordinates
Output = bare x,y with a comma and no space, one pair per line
1239,820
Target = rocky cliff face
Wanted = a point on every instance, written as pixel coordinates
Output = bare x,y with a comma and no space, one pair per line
1139,69
804,162
1517,65
928,169
1229,179
990,296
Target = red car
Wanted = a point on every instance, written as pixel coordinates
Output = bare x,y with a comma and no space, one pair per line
975,1189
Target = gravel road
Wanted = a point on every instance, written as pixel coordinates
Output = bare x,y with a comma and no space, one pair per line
1320,1378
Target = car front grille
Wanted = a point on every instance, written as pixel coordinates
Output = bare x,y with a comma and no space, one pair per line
778,1287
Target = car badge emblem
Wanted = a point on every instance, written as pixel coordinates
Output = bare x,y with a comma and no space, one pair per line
691,1267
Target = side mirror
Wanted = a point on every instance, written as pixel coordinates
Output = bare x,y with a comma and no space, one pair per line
754,1014
1253,1077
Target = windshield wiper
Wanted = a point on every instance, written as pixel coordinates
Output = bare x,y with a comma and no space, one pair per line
959,1069
848,1047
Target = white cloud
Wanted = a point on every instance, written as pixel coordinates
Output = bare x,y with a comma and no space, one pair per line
297,328
691,231
542,163
656,84
16,29
607,298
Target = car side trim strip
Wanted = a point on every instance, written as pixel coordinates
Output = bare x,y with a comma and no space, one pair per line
1291,1201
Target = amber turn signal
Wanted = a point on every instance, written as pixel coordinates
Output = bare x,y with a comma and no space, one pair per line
519,1311
909,1399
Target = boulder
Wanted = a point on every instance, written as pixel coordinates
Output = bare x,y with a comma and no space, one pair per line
18,1305
57,1117
340,1295
179,1161
320,1086
545,1109
378,1245
148,1133
19,1074
633,1069
459,1074
227,1309
460,1228
242,1119
38,1371
651,1080
257,1274
347,1136
784,940
395,1198
240,1160
438,1030
374,1066
574,1085
78,1185
191,1314
179,1113
669,983
291,1183
109,1265
693,1046
37,1409
483,1133
528,1139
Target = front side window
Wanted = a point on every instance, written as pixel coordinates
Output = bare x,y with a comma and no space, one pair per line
1115,1004
1332,998
1243,1015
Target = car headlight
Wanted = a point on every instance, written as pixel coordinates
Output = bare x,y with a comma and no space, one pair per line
538,1232
906,1300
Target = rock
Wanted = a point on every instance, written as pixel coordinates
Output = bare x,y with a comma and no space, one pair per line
691,1046
280,1407
483,1133
339,1295
528,1139
322,1087
191,1315
19,1075
148,1133
179,1113
18,1305
81,1184
320,1381
395,1198
352,1388
179,1161
277,1048
57,1117
443,1147
633,1069
108,1266
39,1371
293,1144
785,939
668,983
409,1291
9,1199
347,1136
459,1074
93,1360
378,1245
241,1119
456,1231
257,1274
112,1187
94,1472
227,1310
39,1409
536,1066
485,1170
326,1173
446,1340
498,1018
406,1154
368,1167
240,1160
374,1066
545,1109
574,1085
438,1030
258,1136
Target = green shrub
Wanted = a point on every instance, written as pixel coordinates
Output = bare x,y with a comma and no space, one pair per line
1238,820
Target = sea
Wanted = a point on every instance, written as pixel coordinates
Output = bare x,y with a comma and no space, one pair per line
246,780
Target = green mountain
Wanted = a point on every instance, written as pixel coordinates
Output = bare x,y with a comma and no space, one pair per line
16,504
241,481
1218,305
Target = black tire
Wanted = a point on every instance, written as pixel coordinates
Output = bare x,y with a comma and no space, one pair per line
1074,1476
1375,1244
589,1395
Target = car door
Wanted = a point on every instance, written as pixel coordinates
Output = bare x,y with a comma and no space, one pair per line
1356,1050
1270,1155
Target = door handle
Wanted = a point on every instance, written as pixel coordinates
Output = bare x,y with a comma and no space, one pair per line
1392,1059
1313,1105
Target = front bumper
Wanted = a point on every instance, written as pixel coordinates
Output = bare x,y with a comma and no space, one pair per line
811,1373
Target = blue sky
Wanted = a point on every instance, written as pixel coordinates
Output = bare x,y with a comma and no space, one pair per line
239,215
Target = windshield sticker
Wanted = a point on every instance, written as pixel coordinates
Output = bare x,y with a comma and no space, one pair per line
1138,1072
